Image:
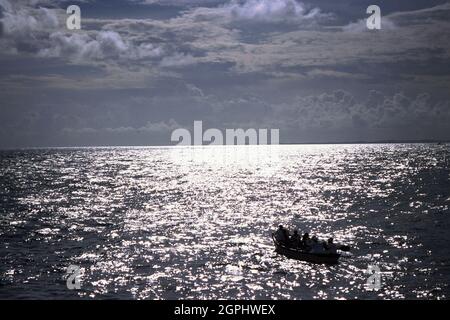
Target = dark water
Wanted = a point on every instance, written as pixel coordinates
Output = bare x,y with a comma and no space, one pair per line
176,223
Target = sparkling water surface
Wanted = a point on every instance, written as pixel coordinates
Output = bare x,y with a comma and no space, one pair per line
195,222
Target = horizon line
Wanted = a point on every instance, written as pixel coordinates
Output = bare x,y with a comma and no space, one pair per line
424,141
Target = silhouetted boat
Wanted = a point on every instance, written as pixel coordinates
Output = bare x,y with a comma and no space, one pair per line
299,254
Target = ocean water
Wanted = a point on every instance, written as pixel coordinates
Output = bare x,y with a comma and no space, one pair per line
195,222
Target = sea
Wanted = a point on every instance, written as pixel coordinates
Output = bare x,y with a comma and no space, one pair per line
196,222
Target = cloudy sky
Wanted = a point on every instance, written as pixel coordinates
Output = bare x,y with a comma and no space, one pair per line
139,69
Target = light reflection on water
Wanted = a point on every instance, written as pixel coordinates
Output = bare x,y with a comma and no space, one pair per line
181,222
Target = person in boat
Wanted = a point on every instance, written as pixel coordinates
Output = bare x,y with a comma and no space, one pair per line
282,235
330,246
316,246
295,239
306,241
312,242
305,237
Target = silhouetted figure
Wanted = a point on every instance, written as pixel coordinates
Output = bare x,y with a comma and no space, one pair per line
282,235
330,246
295,239
316,245
305,241
287,236
305,237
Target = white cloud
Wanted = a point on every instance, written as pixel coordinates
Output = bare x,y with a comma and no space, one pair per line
264,11
270,10
95,46
44,34
23,22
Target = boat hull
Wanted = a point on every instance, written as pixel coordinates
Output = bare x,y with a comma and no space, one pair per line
326,258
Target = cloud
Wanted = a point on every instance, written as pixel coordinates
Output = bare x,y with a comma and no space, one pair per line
329,73
270,10
361,26
97,46
256,62
82,46
432,15
437,15
339,110
179,2
262,11
40,31
161,129
177,60
21,20
218,35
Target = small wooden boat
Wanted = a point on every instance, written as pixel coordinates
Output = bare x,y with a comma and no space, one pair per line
298,254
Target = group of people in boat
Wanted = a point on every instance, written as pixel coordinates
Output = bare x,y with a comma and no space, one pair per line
305,242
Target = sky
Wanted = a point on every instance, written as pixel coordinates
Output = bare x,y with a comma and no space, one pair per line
139,69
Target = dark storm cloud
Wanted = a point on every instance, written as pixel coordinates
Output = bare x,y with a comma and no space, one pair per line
138,69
